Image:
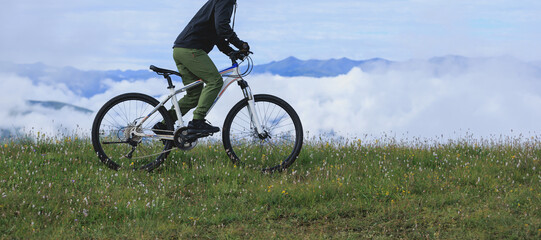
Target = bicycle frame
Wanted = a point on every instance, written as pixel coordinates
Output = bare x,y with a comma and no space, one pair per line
228,80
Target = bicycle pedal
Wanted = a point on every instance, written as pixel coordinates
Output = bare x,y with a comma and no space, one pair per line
195,136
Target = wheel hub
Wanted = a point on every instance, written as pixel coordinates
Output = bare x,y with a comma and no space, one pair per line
261,136
128,134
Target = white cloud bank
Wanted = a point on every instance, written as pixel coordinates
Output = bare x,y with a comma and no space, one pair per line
485,97
17,115
413,99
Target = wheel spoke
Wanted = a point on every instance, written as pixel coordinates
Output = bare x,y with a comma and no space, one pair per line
117,138
283,129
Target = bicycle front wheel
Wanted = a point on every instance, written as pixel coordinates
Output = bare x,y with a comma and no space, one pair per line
118,140
274,150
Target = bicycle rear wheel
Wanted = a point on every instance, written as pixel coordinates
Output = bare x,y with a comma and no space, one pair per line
113,128
274,150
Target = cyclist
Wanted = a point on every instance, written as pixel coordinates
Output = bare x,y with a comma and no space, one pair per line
209,27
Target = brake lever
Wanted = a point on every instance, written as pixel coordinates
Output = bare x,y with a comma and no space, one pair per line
244,55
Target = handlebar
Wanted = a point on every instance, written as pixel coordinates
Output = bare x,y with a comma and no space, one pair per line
239,55
242,56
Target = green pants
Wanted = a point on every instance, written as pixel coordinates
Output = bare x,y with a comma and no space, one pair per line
195,64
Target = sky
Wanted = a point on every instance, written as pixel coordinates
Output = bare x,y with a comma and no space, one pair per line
498,96
133,34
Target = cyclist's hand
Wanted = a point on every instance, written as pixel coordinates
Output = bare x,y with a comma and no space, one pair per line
245,48
235,55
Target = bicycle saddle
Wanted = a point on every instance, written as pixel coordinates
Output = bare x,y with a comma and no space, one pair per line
163,71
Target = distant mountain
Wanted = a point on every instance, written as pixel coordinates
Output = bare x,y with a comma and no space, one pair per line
90,83
11,132
293,67
84,83
5,134
58,105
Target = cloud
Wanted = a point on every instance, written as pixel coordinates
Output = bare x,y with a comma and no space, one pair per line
444,96
18,115
486,98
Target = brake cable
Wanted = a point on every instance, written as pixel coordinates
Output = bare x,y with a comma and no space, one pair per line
234,16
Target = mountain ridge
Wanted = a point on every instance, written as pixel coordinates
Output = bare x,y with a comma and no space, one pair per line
294,67
88,83
58,105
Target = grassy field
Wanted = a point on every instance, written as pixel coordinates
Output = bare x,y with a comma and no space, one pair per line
381,189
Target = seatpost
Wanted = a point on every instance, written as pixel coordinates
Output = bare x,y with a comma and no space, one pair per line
169,81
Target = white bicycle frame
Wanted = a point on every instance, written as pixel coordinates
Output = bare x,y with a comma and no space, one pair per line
229,79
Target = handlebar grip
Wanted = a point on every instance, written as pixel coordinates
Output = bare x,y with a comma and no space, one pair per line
241,55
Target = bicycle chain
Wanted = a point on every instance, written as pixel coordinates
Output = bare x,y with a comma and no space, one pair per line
154,154
178,133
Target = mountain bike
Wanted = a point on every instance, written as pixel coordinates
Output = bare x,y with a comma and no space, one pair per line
261,131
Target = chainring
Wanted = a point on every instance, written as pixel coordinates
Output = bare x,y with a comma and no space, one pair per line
183,141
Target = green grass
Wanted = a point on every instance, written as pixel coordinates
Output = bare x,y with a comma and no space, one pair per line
384,189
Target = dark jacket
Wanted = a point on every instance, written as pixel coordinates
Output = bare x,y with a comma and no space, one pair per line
209,27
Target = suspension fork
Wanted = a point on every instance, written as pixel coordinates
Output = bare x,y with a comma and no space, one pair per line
252,110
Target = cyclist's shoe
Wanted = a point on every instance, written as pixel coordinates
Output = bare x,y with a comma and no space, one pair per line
161,129
200,126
